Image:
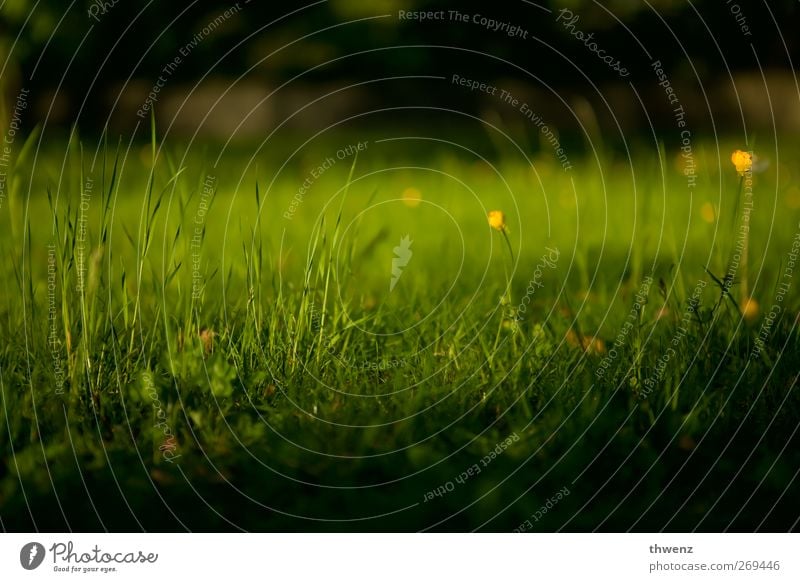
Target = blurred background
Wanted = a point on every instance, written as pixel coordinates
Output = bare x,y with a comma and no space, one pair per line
247,67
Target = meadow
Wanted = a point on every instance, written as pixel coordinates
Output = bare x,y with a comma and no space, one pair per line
200,338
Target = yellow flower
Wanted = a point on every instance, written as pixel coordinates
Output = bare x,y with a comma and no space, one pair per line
742,160
707,212
411,197
497,220
750,310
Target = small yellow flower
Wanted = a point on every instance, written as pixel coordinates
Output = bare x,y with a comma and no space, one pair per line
707,212
750,310
411,197
742,160
497,220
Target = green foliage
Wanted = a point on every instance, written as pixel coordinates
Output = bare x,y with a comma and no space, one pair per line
298,343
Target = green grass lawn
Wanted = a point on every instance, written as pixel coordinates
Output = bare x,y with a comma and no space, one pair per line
207,347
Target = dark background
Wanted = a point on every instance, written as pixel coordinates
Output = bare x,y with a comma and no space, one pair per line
95,73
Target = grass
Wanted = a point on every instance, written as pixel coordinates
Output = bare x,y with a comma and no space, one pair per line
198,349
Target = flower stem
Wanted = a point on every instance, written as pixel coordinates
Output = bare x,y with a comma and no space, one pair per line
508,243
